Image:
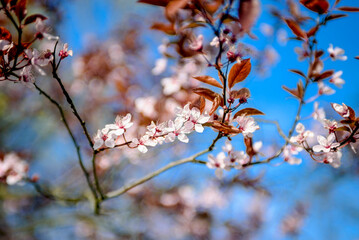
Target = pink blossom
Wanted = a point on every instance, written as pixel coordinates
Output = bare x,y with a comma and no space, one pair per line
197,44
288,153
337,80
39,59
331,125
42,31
217,163
318,113
324,89
333,158
64,52
343,109
336,53
176,129
247,125
325,144
142,143
196,119
104,138
120,126
26,77
13,169
302,134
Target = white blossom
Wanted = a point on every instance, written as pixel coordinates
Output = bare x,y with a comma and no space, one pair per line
325,144
302,134
336,53
120,126
337,80
13,169
247,125
342,110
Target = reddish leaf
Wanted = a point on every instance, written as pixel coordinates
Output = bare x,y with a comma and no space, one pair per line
5,34
357,57
296,28
173,7
248,13
335,16
319,53
351,113
319,6
240,94
324,75
312,31
206,93
199,103
249,146
161,3
349,9
298,72
20,9
226,129
216,103
248,112
32,18
342,128
300,89
166,28
294,92
209,80
239,72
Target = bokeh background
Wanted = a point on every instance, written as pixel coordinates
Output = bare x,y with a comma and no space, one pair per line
273,201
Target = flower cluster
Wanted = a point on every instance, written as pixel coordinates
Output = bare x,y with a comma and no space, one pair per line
229,158
187,120
109,135
12,169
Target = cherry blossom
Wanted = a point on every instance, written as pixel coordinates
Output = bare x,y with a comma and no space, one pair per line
142,143
288,153
120,125
318,113
324,89
177,129
247,125
325,144
197,44
331,125
157,132
64,52
337,80
104,138
26,77
302,134
13,169
333,158
160,66
39,59
42,31
217,163
343,109
196,119
336,53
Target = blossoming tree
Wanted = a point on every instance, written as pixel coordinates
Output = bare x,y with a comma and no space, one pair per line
205,45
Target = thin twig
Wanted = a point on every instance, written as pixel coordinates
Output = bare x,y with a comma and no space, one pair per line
74,141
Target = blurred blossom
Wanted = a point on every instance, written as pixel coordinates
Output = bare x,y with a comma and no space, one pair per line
266,29
337,80
336,53
13,169
146,106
